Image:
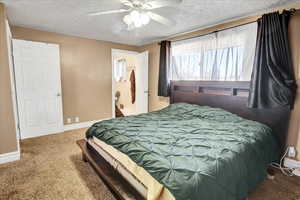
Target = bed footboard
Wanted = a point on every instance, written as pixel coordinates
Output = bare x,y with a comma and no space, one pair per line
120,188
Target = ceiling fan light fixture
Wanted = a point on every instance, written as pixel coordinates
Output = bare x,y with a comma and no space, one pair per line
135,14
127,19
145,18
138,23
136,19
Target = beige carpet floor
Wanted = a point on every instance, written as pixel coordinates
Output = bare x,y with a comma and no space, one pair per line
51,168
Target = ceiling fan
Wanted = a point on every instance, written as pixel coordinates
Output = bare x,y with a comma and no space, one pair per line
140,12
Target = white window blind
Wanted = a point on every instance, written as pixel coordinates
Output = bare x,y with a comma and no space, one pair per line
223,56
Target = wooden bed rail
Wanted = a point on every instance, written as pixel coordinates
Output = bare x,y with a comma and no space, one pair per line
119,187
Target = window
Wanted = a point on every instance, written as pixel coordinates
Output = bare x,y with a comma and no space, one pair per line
223,56
120,69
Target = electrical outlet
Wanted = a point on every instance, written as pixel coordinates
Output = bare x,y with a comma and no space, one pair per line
69,120
292,152
76,119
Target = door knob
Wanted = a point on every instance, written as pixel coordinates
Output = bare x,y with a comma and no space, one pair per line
58,94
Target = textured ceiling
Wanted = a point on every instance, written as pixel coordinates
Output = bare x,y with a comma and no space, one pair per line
70,17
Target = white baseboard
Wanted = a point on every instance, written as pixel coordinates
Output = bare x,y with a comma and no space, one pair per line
9,157
41,134
291,163
81,125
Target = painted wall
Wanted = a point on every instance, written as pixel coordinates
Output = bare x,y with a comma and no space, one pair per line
86,72
8,142
156,103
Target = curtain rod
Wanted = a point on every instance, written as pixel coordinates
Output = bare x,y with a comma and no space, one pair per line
216,31
293,10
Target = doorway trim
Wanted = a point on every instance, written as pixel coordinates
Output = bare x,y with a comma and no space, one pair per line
113,85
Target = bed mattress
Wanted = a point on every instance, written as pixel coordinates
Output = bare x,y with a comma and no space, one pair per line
195,152
139,178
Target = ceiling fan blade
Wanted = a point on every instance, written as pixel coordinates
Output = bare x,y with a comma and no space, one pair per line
160,19
109,12
150,5
127,3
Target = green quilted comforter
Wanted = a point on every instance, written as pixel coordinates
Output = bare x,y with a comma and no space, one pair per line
197,152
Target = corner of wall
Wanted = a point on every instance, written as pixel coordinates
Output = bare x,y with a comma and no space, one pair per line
8,140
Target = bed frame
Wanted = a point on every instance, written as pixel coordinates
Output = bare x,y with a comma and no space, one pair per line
119,187
231,96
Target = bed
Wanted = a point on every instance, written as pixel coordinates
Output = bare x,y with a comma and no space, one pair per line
218,150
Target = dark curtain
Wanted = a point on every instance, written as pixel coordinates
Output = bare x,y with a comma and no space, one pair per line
132,86
272,82
164,66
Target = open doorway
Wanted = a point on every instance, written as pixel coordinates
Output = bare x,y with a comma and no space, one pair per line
129,82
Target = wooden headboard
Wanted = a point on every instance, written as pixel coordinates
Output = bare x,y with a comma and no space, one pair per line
231,96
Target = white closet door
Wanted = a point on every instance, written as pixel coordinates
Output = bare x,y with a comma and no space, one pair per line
38,83
142,83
